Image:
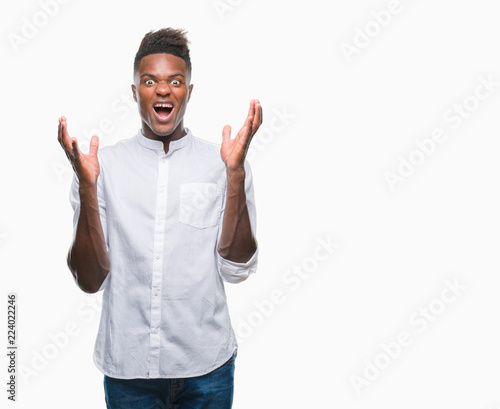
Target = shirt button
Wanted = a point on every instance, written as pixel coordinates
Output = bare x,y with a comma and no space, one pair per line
161,190
155,331
157,257
155,292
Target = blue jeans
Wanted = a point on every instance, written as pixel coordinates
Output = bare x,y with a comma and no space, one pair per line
211,391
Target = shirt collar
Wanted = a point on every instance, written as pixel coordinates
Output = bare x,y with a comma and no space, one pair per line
158,145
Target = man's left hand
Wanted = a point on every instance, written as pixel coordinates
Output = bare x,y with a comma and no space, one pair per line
233,151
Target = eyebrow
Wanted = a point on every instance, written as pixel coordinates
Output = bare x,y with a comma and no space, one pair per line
154,76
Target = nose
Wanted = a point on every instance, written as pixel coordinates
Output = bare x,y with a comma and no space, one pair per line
162,88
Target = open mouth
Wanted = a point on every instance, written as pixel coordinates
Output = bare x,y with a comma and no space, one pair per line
163,110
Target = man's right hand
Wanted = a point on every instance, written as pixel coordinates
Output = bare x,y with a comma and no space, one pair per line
86,166
88,258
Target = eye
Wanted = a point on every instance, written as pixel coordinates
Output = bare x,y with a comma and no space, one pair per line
176,82
149,82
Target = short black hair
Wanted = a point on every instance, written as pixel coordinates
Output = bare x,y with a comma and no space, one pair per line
166,40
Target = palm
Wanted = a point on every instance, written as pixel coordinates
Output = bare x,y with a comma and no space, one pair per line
233,151
85,166
88,167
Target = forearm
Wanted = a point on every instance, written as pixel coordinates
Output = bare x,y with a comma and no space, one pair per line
88,258
237,242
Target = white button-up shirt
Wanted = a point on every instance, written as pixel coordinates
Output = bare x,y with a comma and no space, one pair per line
164,311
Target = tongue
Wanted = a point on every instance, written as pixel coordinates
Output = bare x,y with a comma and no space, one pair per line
163,113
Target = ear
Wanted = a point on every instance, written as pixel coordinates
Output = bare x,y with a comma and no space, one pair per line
190,90
134,92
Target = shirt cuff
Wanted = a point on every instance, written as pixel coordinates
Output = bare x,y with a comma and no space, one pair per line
234,272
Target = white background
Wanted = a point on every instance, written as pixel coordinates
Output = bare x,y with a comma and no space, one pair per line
319,175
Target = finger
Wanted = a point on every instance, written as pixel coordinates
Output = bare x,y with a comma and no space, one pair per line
94,145
65,139
258,117
253,120
77,154
59,137
226,133
252,108
59,129
245,135
251,114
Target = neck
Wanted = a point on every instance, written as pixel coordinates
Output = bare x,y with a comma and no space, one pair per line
177,134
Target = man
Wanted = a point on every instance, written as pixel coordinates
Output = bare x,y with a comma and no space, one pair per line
161,220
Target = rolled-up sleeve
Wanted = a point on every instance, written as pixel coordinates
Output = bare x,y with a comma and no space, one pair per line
74,198
231,271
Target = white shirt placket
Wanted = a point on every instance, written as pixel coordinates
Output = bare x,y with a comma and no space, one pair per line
156,282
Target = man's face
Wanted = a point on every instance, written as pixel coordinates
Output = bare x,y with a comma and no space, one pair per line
162,90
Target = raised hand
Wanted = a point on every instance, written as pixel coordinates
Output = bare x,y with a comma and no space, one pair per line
233,151
86,166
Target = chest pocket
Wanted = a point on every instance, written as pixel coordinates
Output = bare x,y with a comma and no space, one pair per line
200,204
